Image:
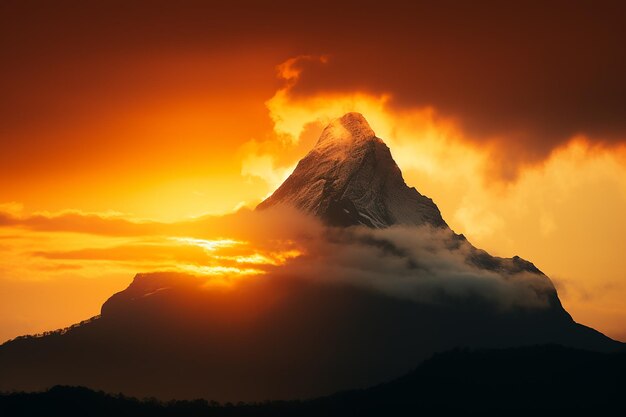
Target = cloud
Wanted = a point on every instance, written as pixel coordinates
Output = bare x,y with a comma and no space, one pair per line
321,89
79,222
420,264
528,94
260,161
414,264
527,77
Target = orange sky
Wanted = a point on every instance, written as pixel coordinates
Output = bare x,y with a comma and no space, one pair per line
155,114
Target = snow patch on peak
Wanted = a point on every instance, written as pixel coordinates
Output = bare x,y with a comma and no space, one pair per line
345,132
356,124
351,178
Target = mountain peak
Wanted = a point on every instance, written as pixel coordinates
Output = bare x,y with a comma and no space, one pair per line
350,178
343,134
351,125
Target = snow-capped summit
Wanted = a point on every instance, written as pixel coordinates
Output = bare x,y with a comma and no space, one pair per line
345,132
350,178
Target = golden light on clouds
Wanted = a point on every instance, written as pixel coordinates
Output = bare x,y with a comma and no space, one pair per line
208,245
170,161
59,267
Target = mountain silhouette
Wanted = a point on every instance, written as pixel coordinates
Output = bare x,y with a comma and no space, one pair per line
281,337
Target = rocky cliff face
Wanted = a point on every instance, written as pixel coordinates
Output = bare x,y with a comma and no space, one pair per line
350,178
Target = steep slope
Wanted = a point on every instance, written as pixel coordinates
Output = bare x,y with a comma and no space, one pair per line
285,336
350,178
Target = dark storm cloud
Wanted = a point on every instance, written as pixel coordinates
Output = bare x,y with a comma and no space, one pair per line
528,79
527,76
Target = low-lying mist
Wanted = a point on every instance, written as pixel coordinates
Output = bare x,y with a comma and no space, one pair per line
422,264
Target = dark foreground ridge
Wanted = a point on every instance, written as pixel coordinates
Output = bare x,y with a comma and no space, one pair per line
542,380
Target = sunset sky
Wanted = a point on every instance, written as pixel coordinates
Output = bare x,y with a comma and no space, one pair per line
122,123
